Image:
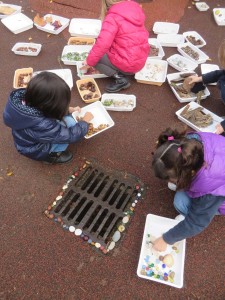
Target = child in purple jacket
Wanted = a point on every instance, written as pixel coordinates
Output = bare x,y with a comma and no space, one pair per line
195,162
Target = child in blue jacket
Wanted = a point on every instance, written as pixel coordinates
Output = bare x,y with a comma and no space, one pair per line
39,116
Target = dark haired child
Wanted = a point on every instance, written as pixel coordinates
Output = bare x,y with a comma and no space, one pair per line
195,162
39,116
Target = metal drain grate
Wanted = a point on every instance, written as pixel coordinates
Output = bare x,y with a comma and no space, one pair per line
96,203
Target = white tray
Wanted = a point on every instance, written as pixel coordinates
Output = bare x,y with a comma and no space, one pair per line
50,28
173,76
16,7
219,16
155,42
170,40
154,72
206,68
202,6
27,45
202,56
149,260
85,27
81,74
17,23
181,63
65,74
210,128
197,37
165,27
101,116
74,48
119,102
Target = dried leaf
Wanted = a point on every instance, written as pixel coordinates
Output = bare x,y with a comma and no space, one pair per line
10,173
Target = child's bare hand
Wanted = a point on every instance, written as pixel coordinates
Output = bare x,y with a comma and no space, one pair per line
88,117
219,129
159,244
73,109
194,79
85,66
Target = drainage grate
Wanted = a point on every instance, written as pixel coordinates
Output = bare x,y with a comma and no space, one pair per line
97,204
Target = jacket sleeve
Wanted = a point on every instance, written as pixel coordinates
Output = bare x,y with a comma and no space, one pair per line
201,213
213,76
104,40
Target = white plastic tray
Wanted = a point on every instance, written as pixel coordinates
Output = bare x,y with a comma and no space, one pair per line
202,6
17,23
149,260
81,74
181,63
173,76
74,48
101,116
206,68
170,40
155,42
165,27
119,102
202,56
16,7
85,27
219,16
196,36
65,74
50,28
210,128
154,72
28,52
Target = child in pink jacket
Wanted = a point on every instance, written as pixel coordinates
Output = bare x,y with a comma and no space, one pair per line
122,46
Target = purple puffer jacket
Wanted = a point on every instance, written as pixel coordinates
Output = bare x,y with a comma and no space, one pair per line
123,38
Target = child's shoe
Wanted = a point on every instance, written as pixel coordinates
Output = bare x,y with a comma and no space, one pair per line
172,186
180,218
121,83
59,157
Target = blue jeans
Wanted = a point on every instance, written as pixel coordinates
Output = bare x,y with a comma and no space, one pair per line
182,202
68,121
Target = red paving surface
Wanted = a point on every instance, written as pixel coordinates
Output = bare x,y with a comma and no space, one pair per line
41,261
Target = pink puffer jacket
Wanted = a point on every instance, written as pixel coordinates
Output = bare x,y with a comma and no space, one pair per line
123,38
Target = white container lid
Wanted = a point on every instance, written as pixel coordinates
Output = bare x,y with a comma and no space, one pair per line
181,63
80,49
50,28
119,102
85,27
32,49
18,23
202,56
170,40
219,16
16,8
156,43
196,36
202,6
165,27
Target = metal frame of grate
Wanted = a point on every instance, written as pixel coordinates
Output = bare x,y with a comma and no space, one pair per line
95,202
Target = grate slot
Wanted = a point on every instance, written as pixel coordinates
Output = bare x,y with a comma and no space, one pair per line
64,211
116,194
111,229
73,212
92,217
99,220
110,190
106,225
84,212
124,199
95,183
89,180
83,177
101,186
62,203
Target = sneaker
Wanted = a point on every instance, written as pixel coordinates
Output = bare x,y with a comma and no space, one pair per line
59,157
120,83
172,186
180,218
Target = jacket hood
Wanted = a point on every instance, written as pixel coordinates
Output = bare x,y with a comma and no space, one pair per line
19,116
130,11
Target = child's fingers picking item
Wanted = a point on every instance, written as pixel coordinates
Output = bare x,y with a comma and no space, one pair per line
159,245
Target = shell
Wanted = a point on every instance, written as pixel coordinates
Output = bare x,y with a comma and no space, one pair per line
168,260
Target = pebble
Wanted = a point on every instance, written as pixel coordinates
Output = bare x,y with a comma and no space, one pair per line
97,245
111,245
58,198
125,219
72,228
78,232
65,227
121,228
86,238
116,237
138,195
133,204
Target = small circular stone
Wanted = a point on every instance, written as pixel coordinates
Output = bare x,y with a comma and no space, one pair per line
72,228
97,245
136,201
137,187
56,220
174,248
133,204
172,275
58,198
47,213
51,216
65,187
86,238
59,219
54,203
65,227
125,219
132,208
78,232
72,176
49,207
111,245
161,258
105,251
164,266
102,248
116,236
121,228
89,241
76,174
165,278
139,195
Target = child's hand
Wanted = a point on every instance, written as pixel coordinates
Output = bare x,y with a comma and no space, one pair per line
85,66
73,109
194,79
159,244
219,129
88,117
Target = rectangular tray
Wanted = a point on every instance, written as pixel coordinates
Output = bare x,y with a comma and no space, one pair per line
120,102
18,72
74,48
27,45
50,28
170,40
173,76
181,63
219,16
17,9
210,128
81,74
165,27
85,27
205,68
17,23
195,35
154,72
101,116
202,56
155,42
149,260
75,40
202,6
84,92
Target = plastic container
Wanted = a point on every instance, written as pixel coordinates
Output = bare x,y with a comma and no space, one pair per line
219,16
202,57
17,23
210,128
165,27
181,63
154,72
170,40
202,6
96,95
119,102
51,28
206,68
28,49
200,42
82,53
101,116
74,40
181,99
150,260
22,77
155,42
84,74
10,9
85,27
